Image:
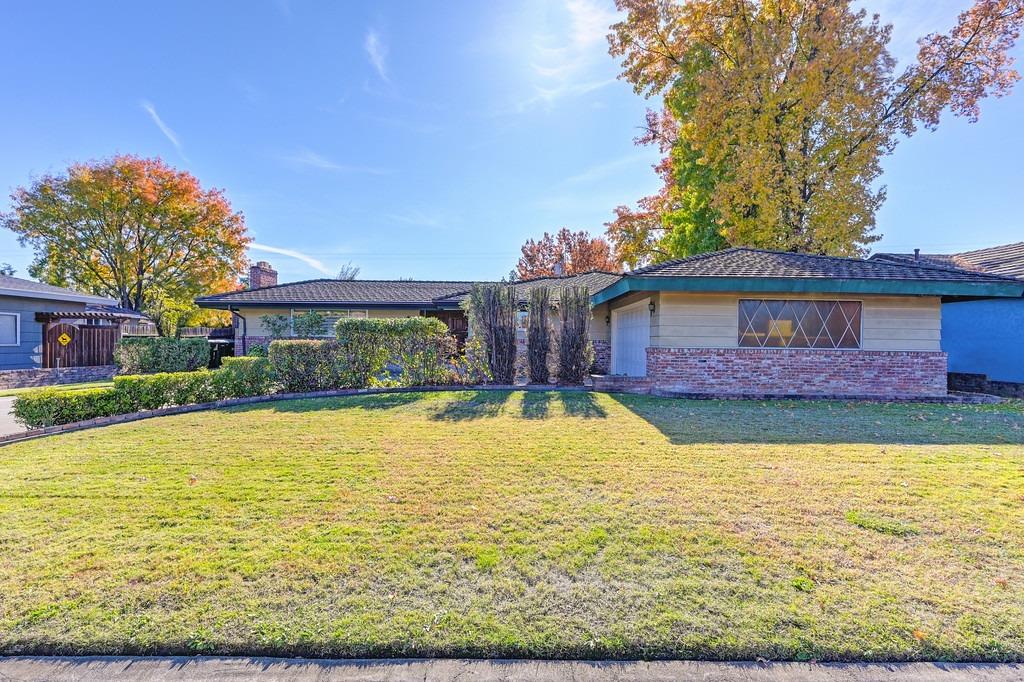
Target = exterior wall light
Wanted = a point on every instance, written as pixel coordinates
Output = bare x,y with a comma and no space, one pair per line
650,306
607,319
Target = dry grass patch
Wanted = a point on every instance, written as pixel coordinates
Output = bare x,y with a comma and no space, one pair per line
511,524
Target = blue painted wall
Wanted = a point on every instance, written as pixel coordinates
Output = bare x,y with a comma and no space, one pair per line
985,337
29,353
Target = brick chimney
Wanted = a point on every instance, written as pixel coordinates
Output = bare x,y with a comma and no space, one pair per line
262,275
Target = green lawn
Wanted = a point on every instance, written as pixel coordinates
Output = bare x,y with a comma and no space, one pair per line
511,524
7,392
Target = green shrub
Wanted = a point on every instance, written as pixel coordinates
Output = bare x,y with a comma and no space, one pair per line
309,365
153,391
257,350
238,378
148,355
50,406
277,325
242,377
420,348
309,325
423,350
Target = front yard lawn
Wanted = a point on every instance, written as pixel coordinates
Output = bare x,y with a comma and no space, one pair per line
511,524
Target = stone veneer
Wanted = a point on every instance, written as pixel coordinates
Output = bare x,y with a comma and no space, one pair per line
602,356
778,372
27,378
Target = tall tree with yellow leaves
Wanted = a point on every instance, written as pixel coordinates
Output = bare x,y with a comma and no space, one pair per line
777,114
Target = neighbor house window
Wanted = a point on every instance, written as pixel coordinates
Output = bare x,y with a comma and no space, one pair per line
772,323
10,331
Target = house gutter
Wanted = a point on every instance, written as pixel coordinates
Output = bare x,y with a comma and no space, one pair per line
245,331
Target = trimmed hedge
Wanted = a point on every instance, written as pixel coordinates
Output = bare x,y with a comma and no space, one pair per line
240,377
309,365
50,406
148,355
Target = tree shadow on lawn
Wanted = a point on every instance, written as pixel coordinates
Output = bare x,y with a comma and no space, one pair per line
468,405
826,422
378,401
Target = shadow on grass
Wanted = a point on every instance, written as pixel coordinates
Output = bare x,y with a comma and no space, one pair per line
381,401
470,405
537,404
826,422
582,404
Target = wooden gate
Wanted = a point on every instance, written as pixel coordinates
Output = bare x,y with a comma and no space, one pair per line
71,345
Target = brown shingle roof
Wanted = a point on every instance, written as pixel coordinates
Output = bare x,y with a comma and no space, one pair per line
748,262
381,293
1006,260
342,293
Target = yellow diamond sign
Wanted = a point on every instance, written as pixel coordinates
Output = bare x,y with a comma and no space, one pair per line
64,339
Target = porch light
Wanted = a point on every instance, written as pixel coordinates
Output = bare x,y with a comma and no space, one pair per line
607,319
650,306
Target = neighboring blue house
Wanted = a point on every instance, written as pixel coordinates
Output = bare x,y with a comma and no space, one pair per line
29,311
981,337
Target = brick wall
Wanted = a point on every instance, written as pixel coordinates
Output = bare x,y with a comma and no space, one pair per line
602,356
27,378
250,341
795,372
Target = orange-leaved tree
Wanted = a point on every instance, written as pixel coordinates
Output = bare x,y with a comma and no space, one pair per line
568,251
133,229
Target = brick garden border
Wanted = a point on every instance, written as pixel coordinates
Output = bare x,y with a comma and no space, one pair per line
961,398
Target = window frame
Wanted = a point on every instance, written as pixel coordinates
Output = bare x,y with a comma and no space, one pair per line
859,330
17,330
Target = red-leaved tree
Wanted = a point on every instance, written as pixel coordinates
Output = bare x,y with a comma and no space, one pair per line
576,252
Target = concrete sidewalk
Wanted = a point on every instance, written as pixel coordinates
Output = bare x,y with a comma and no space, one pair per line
96,668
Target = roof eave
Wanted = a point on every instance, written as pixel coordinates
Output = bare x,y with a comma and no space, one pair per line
412,305
811,285
71,296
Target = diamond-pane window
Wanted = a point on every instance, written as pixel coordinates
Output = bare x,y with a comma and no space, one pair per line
776,323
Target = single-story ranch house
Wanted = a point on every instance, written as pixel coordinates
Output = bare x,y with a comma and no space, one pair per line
739,322
983,338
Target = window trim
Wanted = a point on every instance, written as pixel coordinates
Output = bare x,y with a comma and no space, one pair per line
859,330
17,330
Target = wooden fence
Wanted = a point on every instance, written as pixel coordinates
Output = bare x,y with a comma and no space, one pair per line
69,345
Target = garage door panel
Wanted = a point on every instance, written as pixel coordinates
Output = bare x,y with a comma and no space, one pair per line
631,335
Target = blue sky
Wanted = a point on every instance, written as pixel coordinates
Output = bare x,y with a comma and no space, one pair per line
416,139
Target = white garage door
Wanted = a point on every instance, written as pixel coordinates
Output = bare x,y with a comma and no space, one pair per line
631,334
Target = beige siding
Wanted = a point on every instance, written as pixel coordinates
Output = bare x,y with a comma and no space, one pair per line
712,320
254,326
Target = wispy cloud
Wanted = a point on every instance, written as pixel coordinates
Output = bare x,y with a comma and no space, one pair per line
570,58
377,51
415,217
608,169
310,159
292,253
164,128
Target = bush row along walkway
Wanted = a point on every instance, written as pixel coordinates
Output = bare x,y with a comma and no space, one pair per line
103,668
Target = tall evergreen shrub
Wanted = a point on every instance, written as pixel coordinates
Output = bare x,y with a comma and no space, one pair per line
575,351
538,335
492,312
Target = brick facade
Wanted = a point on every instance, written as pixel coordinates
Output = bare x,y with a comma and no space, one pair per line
751,372
243,344
602,357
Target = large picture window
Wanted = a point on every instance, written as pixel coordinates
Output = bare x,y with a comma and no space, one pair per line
770,323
